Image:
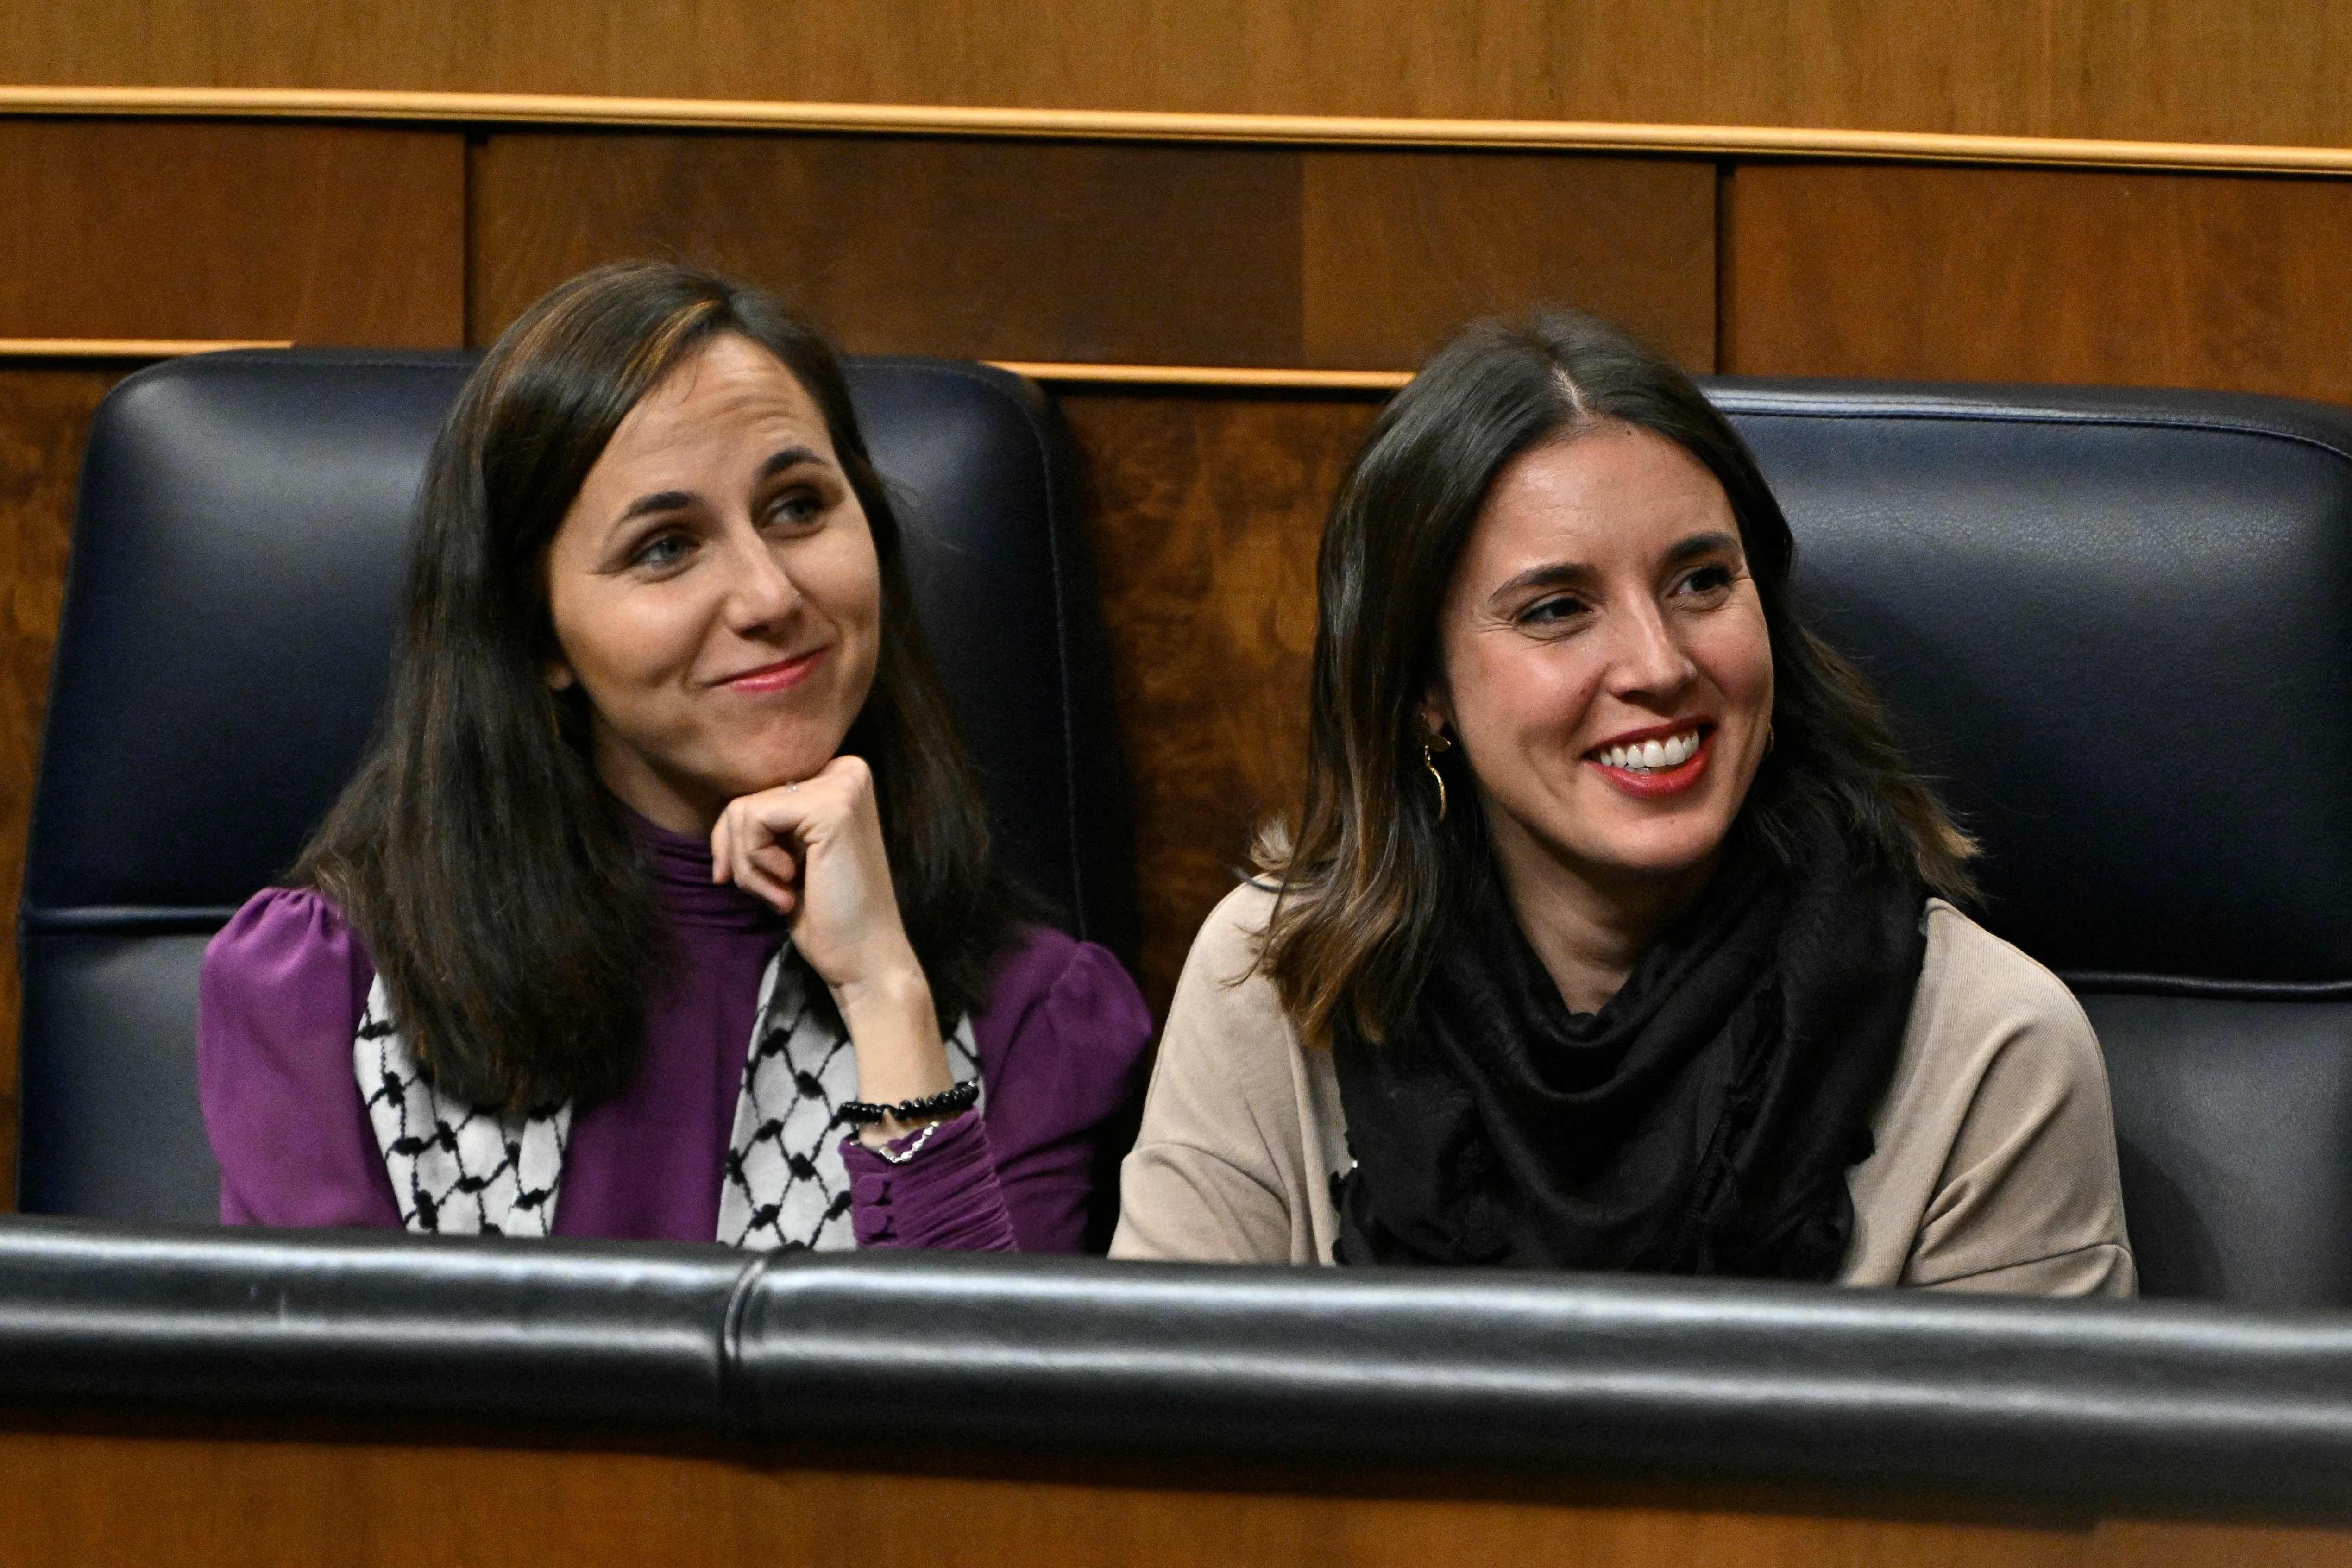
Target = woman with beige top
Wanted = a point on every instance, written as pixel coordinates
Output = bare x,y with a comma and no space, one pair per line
1615,932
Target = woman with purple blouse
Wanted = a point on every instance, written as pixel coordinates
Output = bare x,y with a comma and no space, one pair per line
662,907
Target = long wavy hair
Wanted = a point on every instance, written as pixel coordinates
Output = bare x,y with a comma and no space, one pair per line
494,877
1372,882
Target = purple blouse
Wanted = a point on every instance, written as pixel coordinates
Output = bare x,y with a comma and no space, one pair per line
1062,1041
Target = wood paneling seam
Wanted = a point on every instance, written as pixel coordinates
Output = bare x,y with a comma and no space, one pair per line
1207,375
491,109
1052,371
127,348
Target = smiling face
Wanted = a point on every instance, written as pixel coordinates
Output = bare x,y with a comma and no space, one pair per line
715,590
1605,666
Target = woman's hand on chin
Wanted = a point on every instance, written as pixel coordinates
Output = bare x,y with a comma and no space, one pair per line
814,850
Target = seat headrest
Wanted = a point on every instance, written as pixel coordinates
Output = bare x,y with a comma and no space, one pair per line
2116,626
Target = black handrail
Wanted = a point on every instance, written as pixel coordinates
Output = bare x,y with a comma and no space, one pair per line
2106,1404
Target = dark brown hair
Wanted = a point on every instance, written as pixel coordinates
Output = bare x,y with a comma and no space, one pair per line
1372,882
494,877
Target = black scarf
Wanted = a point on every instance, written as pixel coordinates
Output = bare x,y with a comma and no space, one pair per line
1701,1122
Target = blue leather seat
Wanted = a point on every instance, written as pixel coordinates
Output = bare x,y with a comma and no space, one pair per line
238,565
2118,626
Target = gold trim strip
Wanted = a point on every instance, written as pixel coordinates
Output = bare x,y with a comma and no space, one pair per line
1050,371
1762,142
127,348
1060,375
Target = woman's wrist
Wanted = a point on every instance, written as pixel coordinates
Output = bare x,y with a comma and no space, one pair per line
898,1132
886,1002
895,1030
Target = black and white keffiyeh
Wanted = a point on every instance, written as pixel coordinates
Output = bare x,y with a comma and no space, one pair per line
459,1170
454,1169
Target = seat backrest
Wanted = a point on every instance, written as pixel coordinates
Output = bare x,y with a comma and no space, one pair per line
2117,628
236,573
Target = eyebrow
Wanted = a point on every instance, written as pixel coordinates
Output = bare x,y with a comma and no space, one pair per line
1699,544
1575,574
790,458
1551,575
660,500
679,501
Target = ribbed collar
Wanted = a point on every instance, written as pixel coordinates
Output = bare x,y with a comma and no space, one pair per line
681,868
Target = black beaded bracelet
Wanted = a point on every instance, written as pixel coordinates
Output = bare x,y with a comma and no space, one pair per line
947,1102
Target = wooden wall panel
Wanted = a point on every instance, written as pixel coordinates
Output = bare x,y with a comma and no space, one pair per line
1005,250
325,234
1118,252
95,1496
1206,512
1403,247
2041,274
45,413
2249,71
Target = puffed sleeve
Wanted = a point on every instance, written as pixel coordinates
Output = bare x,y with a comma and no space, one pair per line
1064,1043
281,991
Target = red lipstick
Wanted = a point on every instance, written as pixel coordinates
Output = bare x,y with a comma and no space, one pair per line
1665,781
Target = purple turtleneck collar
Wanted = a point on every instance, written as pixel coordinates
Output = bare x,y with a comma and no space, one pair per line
680,863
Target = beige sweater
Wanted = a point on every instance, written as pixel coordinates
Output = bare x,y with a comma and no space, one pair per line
1995,1167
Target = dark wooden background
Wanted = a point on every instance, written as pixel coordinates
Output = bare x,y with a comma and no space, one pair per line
2190,70
1206,502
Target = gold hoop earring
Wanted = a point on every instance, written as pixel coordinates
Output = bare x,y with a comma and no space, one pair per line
1769,738
1431,744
